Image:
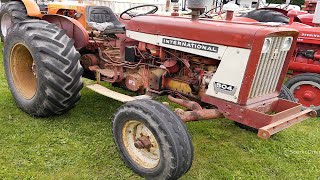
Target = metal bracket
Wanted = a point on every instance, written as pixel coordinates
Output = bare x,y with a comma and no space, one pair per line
266,131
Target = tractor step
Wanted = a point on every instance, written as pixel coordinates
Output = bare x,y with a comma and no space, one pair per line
115,95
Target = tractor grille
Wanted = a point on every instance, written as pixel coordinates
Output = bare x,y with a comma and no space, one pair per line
269,69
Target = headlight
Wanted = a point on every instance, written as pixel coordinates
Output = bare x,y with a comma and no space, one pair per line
287,44
266,45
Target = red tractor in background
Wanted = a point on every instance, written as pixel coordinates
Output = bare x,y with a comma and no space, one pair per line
310,6
212,68
304,81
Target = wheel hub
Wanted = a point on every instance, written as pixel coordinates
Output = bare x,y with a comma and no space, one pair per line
23,71
309,96
307,93
141,144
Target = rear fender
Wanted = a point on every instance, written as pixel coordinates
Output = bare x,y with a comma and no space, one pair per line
73,28
32,7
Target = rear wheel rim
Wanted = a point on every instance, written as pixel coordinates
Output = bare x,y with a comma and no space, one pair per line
134,130
307,93
6,23
23,71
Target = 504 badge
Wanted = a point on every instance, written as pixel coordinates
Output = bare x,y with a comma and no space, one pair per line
224,88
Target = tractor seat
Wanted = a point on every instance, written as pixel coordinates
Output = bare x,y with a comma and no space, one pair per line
103,19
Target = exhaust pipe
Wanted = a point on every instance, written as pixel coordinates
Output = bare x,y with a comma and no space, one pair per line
196,113
196,6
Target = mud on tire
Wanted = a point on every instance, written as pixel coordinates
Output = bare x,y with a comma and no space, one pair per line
42,68
14,11
166,131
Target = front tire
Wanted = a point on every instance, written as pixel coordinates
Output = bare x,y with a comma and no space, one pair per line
11,12
152,140
42,68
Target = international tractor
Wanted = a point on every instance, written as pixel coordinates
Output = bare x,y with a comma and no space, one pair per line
211,68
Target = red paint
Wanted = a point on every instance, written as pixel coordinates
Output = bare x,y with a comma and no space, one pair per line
308,95
209,31
292,14
306,19
73,28
304,67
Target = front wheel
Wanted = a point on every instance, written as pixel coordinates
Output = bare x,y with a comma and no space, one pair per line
152,140
42,68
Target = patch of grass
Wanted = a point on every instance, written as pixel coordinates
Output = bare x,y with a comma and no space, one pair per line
79,145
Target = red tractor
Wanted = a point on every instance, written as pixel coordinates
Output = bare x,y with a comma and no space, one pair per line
304,67
212,68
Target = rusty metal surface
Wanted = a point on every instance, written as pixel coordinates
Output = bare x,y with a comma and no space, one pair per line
203,114
262,114
88,60
185,103
134,82
196,113
143,142
73,28
172,66
155,79
266,131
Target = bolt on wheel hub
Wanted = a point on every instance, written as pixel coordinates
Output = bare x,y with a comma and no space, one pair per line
141,144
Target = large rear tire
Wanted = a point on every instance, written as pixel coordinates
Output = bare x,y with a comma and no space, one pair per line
152,140
263,15
306,89
11,12
42,68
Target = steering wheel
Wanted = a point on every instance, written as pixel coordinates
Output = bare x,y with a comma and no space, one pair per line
205,14
131,14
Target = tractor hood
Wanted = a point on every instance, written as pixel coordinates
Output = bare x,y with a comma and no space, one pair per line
306,19
308,34
227,33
